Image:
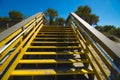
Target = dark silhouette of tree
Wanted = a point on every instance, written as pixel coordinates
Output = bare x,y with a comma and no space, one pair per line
105,28
99,28
60,21
4,22
51,14
15,16
85,13
115,31
109,30
108,27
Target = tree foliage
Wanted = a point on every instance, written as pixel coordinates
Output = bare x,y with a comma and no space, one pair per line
115,31
51,14
60,21
105,28
85,13
110,29
4,21
15,16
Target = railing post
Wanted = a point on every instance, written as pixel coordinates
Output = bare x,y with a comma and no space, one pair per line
36,21
22,31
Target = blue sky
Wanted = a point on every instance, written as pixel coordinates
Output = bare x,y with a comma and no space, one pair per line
107,10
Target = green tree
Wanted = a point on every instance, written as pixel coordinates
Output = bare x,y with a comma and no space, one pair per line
85,13
99,28
4,22
108,27
15,16
60,21
115,31
105,28
51,14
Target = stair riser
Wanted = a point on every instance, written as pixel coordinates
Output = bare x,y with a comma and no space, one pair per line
62,66
47,57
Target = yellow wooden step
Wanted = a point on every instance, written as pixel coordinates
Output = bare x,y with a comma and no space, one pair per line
58,38
55,39
52,53
55,42
51,61
41,72
33,72
55,32
56,29
56,26
73,35
55,47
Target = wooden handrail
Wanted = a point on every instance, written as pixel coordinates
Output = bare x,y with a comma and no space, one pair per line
12,39
105,42
109,49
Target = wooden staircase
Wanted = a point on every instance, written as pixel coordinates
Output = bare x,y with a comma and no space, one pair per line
54,54
30,50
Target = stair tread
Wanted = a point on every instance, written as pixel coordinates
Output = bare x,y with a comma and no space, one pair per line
52,42
56,29
54,38
56,32
54,35
33,72
48,61
57,26
52,53
54,47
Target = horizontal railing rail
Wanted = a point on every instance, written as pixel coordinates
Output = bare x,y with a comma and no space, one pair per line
99,47
14,39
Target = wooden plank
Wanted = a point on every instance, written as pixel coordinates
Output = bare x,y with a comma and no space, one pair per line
56,32
73,71
51,61
33,72
54,47
57,38
54,42
52,53
56,29
44,72
55,35
56,26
